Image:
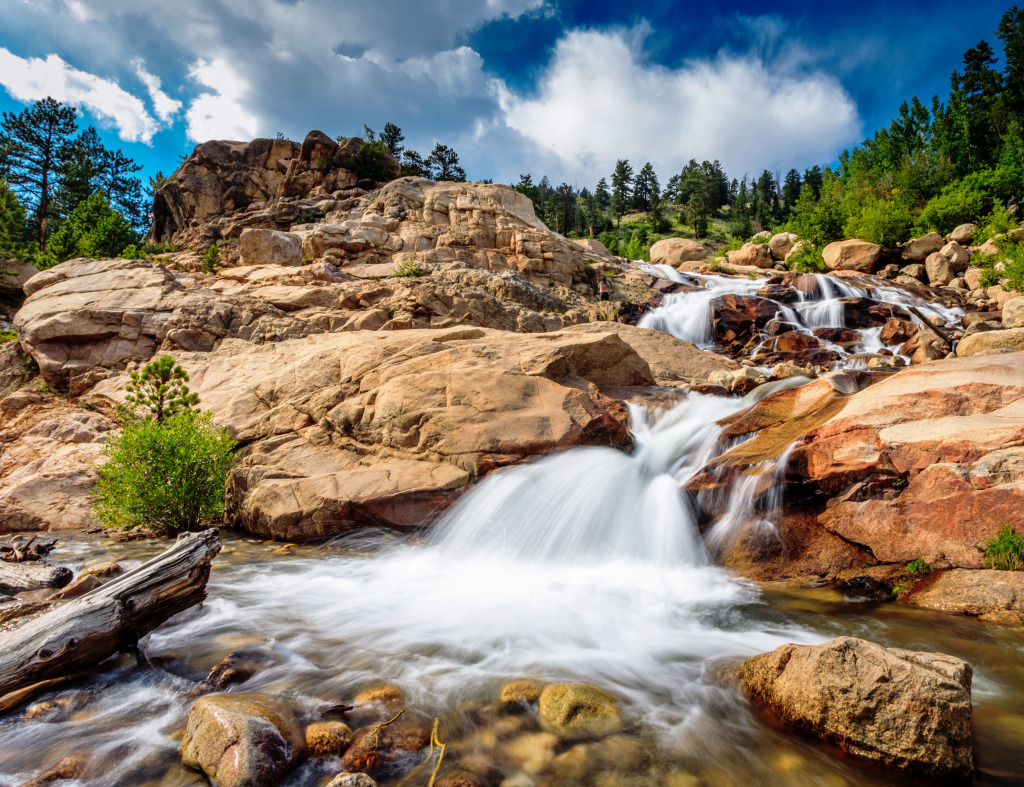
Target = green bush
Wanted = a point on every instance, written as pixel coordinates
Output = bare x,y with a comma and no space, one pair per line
918,567
1005,268
887,222
372,160
211,260
967,200
807,259
8,336
168,476
408,268
1006,551
94,229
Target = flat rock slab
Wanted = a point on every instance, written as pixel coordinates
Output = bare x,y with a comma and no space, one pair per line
994,596
902,708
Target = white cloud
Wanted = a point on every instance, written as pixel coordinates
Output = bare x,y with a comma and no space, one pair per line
220,114
456,72
598,101
165,106
31,79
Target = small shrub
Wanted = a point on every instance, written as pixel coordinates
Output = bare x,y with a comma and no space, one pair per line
169,476
1005,268
918,567
160,388
408,268
43,387
8,336
1005,551
899,483
717,267
211,260
808,259
306,259
372,160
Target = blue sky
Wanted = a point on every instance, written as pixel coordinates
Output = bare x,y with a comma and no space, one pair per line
556,87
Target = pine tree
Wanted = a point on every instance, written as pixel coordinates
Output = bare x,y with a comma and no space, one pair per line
160,388
36,141
622,188
647,189
444,163
392,137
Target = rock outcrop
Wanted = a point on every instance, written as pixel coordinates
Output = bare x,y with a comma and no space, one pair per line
995,596
902,708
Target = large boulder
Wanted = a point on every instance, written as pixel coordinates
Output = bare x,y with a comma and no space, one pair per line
991,595
386,428
924,464
782,244
987,342
918,249
1013,313
939,269
963,234
675,251
751,254
242,740
14,275
907,709
852,255
270,247
597,247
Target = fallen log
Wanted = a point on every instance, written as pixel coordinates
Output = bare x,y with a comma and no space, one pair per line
19,577
110,619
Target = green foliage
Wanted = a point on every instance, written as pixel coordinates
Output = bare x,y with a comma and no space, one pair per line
167,475
94,230
887,222
807,259
160,388
7,336
716,267
1005,551
211,260
918,567
1005,268
146,250
13,225
443,164
408,268
372,160
962,202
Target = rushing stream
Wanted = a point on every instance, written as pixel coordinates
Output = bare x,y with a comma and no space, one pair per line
583,565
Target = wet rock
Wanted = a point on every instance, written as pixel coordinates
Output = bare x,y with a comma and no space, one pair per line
906,709
779,292
388,696
996,596
795,342
674,251
70,767
233,669
918,249
385,748
519,694
533,752
79,587
242,740
844,337
867,313
462,778
328,738
578,705
896,331
852,255
351,780
104,571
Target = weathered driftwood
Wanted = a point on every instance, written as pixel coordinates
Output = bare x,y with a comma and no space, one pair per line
110,619
17,552
19,577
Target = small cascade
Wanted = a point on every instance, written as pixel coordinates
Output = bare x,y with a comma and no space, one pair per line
597,504
816,308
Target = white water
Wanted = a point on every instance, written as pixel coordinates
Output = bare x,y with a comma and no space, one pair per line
688,315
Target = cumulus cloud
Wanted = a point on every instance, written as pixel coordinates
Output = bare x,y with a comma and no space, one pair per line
219,113
31,79
598,101
165,106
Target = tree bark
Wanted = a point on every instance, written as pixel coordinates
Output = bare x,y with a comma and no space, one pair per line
110,619
19,577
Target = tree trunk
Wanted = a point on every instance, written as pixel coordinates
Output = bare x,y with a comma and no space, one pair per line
19,577
112,618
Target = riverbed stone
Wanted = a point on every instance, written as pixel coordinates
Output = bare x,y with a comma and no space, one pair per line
519,694
907,709
328,738
579,705
242,740
380,748
995,596
351,780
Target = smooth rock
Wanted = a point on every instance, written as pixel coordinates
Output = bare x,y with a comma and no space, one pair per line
907,709
1009,340
781,244
270,247
963,234
242,740
1013,313
328,738
992,595
578,705
674,251
852,255
940,270
918,249
751,254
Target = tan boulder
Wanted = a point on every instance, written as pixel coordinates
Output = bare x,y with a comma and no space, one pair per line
972,277
1013,313
782,244
907,709
918,249
14,274
598,248
580,706
963,234
270,247
939,270
242,740
852,255
797,248
751,254
991,595
957,255
1009,340
674,251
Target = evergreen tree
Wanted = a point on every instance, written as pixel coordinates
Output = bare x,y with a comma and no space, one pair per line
392,137
602,195
647,189
36,141
622,188
791,189
413,165
94,229
12,225
444,164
